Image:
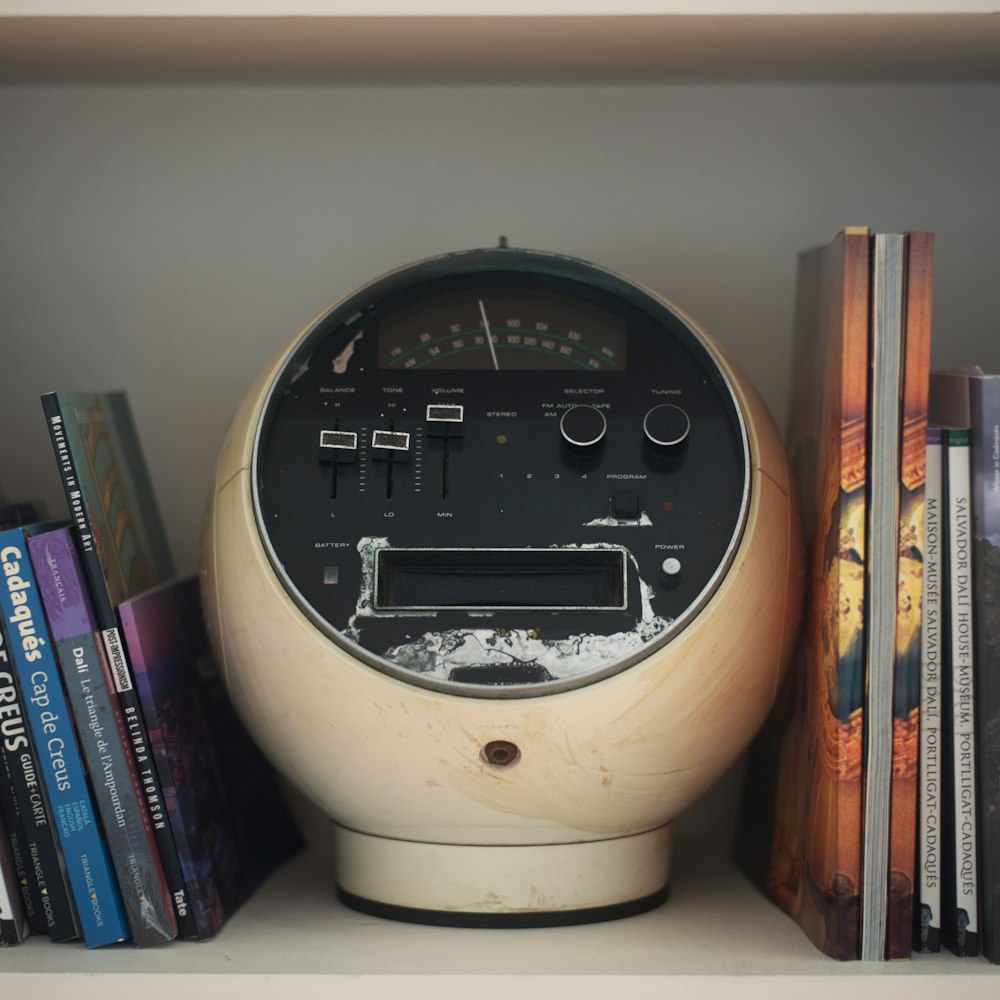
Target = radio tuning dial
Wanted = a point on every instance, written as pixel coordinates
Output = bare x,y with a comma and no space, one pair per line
666,427
583,427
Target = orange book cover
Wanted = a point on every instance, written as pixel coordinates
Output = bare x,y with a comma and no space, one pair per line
800,835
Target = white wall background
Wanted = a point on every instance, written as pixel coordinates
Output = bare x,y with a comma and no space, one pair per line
170,240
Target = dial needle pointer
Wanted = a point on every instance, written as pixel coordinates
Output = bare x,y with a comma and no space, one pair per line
489,335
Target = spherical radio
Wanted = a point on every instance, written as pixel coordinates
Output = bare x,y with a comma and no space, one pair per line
502,570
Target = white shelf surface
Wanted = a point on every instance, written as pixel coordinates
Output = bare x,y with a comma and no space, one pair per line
394,41
294,934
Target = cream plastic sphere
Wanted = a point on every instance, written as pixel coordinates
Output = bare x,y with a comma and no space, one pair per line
576,818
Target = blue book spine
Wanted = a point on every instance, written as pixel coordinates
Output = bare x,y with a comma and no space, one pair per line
85,853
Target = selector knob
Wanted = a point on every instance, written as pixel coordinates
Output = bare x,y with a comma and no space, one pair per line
666,427
583,426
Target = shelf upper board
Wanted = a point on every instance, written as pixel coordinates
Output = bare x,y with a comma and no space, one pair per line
920,47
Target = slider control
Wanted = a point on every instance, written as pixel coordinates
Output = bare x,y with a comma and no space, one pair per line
445,419
338,446
390,446
445,423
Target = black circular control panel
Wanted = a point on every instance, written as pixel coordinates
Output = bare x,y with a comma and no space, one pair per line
501,473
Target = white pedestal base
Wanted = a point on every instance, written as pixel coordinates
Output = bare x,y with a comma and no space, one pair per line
519,885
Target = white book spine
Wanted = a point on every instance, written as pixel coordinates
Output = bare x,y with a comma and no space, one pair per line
962,688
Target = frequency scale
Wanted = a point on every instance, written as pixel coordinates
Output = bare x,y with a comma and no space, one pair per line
502,568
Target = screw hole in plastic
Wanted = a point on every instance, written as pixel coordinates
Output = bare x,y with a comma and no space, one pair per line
501,753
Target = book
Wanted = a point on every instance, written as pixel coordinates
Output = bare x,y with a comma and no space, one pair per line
15,515
110,495
103,737
882,580
26,814
13,731
800,827
911,420
123,551
47,903
960,910
828,821
84,850
969,397
927,921
985,443
232,824
14,926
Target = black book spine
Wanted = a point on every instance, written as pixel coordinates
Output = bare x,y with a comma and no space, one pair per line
14,925
149,778
25,812
13,731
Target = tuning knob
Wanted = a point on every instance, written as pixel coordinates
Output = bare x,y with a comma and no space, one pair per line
583,426
666,427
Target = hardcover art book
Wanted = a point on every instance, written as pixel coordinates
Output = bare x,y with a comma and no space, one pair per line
828,822
800,833
231,822
109,494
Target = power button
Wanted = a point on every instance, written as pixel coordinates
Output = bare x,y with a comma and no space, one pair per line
670,571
